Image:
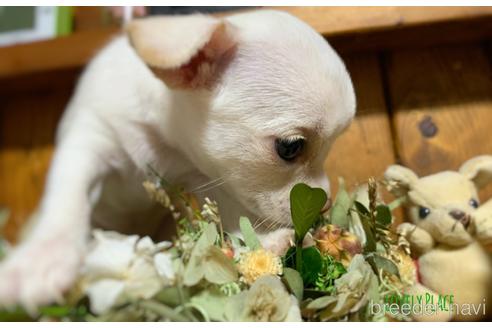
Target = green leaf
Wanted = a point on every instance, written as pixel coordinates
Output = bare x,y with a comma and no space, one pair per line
218,268
379,262
55,311
235,241
250,238
289,259
305,206
361,208
383,215
322,302
212,302
293,280
171,296
195,270
370,238
341,206
312,264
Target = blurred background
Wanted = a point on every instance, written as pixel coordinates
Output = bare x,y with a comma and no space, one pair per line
422,75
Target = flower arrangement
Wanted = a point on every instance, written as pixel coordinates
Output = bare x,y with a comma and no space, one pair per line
207,274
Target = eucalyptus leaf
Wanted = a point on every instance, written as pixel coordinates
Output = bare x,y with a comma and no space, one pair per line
293,280
383,215
379,262
341,206
213,302
305,206
171,295
218,268
195,270
322,302
250,238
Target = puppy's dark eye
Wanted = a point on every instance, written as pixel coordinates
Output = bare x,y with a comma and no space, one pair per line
473,203
423,212
290,148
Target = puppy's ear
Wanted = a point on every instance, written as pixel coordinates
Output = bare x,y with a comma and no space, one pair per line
186,52
478,169
400,179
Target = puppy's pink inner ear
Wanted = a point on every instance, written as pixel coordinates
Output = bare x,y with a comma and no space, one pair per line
205,67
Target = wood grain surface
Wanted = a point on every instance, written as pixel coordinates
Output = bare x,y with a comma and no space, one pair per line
365,149
442,104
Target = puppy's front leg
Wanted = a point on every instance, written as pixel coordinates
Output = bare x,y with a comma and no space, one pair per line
278,241
46,264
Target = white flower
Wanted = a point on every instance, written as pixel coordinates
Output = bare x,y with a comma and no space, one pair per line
119,268
266,300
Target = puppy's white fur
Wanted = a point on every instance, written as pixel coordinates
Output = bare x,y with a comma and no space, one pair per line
259,76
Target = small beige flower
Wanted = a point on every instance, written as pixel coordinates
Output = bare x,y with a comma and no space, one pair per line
258,263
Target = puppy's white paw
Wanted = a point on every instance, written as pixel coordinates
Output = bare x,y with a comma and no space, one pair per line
278,241
38,272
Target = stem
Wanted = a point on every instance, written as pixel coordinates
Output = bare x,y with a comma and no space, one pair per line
299,257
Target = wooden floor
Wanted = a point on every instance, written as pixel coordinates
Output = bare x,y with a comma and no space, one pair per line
427,105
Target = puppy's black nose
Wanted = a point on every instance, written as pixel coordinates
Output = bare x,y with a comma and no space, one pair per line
457,215
461,217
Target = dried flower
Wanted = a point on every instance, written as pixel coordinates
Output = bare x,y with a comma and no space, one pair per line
406,267
157,194
337,242
266,300
257,263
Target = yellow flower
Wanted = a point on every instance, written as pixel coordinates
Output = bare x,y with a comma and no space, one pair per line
258,263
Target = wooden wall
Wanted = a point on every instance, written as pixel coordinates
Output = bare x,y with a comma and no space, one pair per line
425,102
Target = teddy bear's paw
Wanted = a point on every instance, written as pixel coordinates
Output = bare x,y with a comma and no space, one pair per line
406,229
38,273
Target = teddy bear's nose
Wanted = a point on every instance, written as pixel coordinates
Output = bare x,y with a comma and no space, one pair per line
457,215
461,217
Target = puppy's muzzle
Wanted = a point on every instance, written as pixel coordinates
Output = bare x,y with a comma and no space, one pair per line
461,217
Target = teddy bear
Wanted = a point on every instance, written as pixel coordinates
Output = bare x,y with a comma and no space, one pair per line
447,232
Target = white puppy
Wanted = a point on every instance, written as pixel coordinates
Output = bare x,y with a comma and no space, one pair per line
250,103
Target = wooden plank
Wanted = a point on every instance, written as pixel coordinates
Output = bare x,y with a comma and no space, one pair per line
27,127
442,104
366,148
345,20
75,50
60,53
409,37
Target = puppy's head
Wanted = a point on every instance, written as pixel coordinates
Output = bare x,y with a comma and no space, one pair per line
262,97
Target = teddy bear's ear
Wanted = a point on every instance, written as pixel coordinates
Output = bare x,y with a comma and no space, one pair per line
478,169
400,179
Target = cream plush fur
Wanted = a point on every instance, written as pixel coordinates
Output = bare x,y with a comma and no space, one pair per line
448,240
202,100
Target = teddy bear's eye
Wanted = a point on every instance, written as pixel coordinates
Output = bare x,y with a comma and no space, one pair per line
473,203
423,212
